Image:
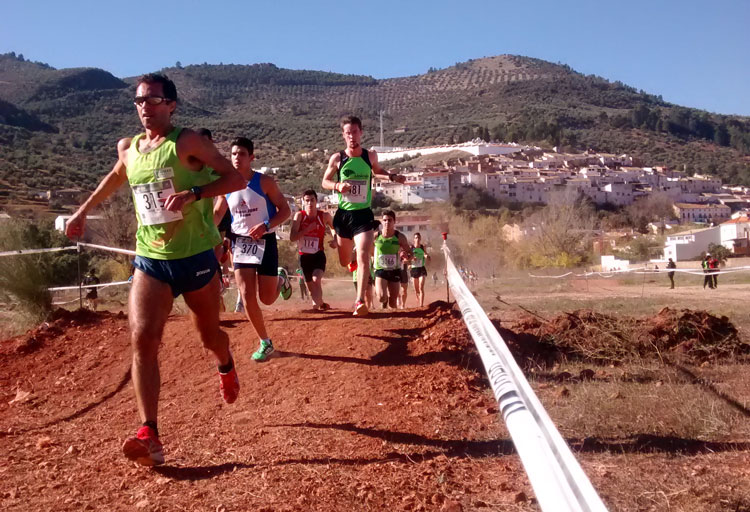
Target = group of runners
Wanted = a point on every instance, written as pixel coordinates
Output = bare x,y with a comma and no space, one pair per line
183,188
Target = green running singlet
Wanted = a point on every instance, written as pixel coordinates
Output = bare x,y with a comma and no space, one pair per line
357,171
419,257
153,176
386,252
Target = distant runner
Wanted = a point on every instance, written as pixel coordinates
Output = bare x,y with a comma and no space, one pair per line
174,246
390,247
350,174
418,270
404,275
256,211
302,286
309,230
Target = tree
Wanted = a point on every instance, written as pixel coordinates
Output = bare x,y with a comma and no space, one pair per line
560,232
719,252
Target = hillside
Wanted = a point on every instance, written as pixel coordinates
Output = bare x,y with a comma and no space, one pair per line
292,111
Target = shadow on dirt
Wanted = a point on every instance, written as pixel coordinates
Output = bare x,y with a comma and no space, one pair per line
123,382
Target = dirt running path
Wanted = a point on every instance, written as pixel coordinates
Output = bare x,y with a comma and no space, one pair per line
386,412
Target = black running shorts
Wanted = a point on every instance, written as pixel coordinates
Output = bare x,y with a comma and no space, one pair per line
349,223
312,262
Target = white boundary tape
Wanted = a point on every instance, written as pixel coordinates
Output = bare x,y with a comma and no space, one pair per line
111,249
37,251
558,480
103,285
644,270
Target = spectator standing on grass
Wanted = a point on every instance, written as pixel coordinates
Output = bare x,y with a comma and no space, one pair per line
713,265
175,244
92,296
707,279
671,265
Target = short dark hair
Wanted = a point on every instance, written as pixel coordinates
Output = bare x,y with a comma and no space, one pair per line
205,132
310,192
167,85
350,120
243,142
389,213
417,234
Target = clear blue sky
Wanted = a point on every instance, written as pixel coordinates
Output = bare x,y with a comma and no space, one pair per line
693,52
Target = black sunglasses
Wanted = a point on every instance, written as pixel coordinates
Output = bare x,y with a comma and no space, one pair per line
151,100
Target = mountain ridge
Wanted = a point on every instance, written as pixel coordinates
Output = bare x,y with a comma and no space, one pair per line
288,112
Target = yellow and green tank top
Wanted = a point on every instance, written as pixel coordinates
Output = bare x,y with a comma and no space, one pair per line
357,171
153,176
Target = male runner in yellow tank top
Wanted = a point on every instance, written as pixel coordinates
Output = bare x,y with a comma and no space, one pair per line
174,246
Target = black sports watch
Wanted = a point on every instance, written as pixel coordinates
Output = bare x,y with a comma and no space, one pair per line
197,191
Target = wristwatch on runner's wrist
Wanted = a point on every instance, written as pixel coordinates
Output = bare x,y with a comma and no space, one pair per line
197,192
267,225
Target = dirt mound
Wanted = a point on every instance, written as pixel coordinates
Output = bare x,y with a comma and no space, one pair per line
587,335
58,322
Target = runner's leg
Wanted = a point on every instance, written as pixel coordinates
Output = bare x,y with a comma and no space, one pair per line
364,243
381,291
269,288
247,285
204,305
149,306
345,246
316,287
421,280
393,293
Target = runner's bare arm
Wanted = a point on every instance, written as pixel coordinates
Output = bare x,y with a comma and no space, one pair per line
328,220
190,144
328,178
76,225
220,208
294,234
405,247
379,173
271,189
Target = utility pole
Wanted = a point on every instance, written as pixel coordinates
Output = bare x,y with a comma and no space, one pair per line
381,112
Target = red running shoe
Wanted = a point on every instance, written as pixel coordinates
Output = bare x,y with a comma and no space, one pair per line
352,266
360,309
229,386
144,448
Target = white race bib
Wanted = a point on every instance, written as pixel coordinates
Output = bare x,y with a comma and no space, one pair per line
149,202
388,261
417,263
309,244
247,250
358,192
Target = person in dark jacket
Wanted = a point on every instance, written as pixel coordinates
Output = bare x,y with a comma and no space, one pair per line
670,265
707,279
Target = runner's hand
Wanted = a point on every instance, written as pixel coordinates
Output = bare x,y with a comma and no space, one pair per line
332,244
76,226
257,231
344,188
175,202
